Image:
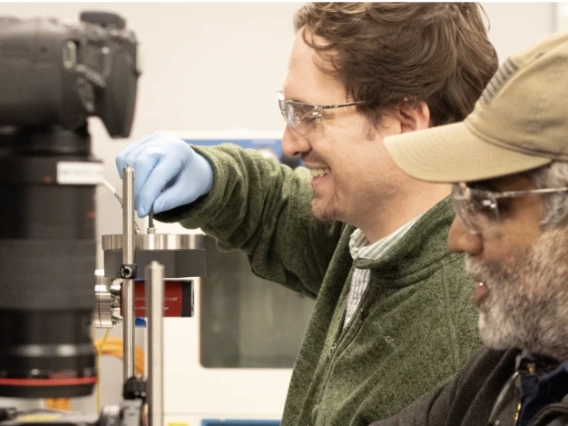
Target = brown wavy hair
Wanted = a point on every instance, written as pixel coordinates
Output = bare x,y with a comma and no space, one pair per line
388,53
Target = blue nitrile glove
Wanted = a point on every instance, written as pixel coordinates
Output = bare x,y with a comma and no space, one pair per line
168,173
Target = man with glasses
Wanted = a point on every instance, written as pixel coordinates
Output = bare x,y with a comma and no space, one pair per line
392,319
508,163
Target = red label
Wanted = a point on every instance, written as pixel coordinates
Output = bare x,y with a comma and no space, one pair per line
172,298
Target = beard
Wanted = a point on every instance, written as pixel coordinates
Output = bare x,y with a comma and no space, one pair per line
325,210
527,303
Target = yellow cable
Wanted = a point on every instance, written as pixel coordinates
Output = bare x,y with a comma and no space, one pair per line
99,350
114,347
58,404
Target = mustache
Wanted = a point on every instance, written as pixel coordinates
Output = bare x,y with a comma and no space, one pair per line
484,271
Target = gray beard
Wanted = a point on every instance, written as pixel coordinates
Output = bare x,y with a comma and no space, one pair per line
527,304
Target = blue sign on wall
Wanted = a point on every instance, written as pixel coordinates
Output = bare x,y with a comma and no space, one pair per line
273,144
270,147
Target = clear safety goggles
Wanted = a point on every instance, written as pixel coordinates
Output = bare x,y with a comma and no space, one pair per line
303,118
479,209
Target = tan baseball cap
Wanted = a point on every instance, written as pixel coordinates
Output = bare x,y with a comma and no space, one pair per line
519,123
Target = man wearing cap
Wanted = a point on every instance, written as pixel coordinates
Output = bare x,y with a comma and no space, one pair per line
508,166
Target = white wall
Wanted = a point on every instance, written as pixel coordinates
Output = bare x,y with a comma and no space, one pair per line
515,26
562,17
218,66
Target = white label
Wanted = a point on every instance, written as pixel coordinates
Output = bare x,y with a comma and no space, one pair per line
78,173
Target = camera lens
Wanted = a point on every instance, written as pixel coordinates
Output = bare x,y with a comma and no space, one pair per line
47,261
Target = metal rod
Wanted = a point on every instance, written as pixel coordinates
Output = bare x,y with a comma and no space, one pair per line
113,191
151,229
128,284
151,218
155,312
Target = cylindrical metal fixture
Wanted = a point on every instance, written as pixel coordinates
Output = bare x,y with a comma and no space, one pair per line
156,242
182,255
128,284
128,216
107,302
128,328
155,311
103,315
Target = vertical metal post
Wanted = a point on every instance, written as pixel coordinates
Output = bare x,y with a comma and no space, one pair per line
128,284
155,312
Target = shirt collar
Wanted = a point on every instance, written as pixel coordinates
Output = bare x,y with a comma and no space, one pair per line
360,248
543,381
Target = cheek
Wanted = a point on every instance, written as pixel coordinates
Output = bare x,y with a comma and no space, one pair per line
518,235
522,222
501,246
519,230
355,159
356,171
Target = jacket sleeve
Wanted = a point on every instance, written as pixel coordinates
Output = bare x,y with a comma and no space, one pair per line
263,208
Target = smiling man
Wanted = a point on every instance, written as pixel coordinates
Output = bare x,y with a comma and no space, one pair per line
392,319
508,163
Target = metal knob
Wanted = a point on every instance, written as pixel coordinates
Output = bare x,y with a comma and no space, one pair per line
107,304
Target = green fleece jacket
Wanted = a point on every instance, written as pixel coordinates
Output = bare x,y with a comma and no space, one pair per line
414,328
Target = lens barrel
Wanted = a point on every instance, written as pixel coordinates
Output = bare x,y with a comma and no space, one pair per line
47,260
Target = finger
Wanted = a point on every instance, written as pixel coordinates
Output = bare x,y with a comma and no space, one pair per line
174,196
166,200
143,167
122,157
167,169
138,153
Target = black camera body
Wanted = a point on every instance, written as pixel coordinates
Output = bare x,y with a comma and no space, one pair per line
56,73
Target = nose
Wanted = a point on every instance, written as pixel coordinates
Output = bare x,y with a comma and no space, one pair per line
461,240
293,144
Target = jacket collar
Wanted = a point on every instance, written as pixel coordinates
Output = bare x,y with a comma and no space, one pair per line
420,249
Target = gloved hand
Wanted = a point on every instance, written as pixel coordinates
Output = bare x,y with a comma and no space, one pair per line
168,173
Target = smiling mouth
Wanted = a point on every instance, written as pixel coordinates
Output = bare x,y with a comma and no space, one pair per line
319,172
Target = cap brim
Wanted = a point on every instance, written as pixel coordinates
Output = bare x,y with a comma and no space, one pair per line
453,153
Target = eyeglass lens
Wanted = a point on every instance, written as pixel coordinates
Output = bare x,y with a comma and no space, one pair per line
303,119
478,209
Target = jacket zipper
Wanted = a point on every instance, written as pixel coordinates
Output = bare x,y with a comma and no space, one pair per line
332,355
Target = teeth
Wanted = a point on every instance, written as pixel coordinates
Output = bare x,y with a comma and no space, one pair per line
319,172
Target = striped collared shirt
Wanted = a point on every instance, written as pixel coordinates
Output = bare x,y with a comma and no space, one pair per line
360,248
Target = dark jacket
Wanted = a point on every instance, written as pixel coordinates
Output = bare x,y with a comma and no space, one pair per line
490,391
415,326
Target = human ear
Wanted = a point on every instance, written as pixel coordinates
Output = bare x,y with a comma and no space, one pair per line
413,116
